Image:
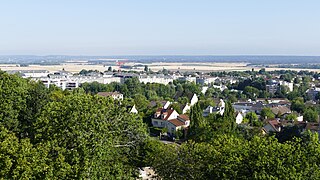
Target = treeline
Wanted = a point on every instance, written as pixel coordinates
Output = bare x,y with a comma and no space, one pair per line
230,157
152,91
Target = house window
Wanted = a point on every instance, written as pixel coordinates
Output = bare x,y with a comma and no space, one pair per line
172,129
162,124
155,122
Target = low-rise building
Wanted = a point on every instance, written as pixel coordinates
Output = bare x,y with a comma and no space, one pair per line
170,119
115,95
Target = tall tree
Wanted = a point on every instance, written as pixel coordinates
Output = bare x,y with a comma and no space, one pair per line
197,123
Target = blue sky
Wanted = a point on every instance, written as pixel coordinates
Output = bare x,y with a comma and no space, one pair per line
160,27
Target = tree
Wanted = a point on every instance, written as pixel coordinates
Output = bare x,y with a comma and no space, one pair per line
141,102
13,100
298,105
229,117
197,122
262,71
146,68
230,157
92,133
266,113
19,159
251,92
292,117
310,115
253,119
176,106
133,86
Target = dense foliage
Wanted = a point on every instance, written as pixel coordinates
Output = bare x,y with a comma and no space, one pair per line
47,133
230,157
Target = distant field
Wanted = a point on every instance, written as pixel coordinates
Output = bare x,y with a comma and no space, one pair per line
204,67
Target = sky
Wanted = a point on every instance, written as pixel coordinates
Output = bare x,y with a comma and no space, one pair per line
160,27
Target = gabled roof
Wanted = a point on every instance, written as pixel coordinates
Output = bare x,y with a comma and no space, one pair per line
184,117
176,122
166,112
155,103
280,109
275,124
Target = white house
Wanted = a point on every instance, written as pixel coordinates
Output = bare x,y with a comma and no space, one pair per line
161,116
170,119
181,122
217,109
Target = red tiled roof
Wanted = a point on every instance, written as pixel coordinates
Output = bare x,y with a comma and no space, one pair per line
184,117
275,124
176,122
166,112
169,112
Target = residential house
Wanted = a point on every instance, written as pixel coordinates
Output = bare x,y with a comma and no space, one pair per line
313,127
115,95
180,123
313,92
162,115
280,110
185,108
219,109
243,106
170,119
272,126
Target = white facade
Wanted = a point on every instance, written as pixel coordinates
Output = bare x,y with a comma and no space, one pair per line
61,83
219,109
194,100
166,105
155,79
287,84
186,108
134,110
221,87
239,118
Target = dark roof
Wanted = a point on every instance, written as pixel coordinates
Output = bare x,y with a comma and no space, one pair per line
154,103
244,103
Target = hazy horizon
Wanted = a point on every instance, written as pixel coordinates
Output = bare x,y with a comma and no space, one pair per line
163,28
